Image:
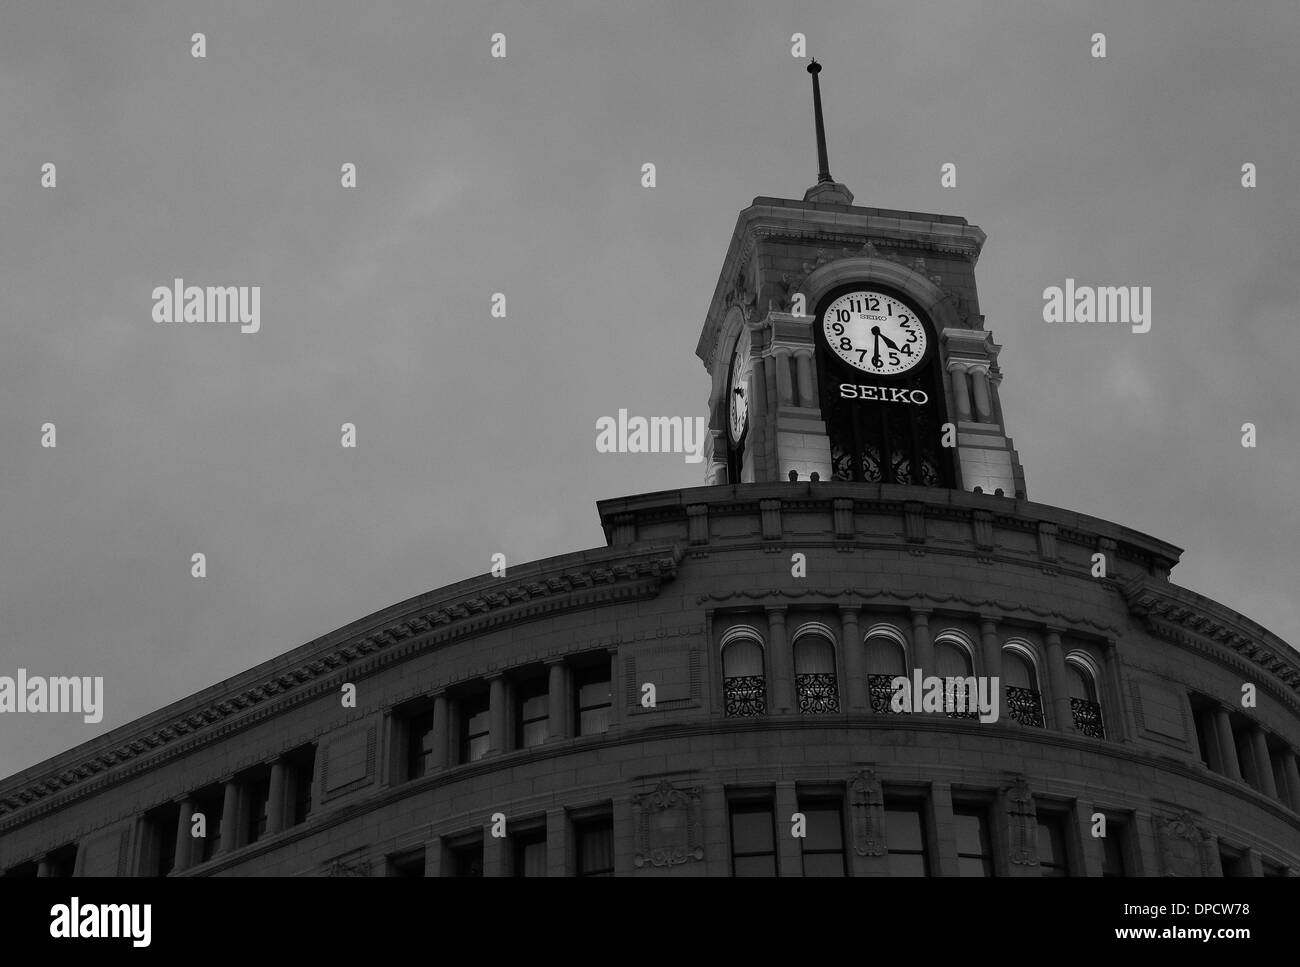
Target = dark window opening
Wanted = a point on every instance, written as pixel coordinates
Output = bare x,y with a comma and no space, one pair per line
823,844
595,847
753,839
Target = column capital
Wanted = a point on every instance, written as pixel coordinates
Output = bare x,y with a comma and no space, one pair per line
921,614
801,352
853,609
1053,631
494,676
958,365
776,612
992,620
555,660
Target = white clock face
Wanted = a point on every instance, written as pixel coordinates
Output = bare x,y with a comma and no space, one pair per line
738,389
874,332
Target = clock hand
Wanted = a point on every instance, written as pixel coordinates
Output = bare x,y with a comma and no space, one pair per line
875,347
889,342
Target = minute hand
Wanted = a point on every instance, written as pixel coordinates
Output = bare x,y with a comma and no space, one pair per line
876,361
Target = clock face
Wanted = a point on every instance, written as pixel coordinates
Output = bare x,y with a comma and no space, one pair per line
738,389
874,332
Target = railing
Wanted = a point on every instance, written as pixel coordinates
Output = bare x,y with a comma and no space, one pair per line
1025,705
1087,718
746,695
961,697
881,690
818,693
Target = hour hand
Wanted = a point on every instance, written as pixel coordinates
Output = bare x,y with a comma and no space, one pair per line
889,342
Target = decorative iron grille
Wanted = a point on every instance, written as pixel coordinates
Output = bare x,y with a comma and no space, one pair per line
1026,706
746,695
882,694
1087,718
961,697
818,693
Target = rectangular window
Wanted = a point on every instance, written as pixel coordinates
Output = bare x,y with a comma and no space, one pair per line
211,806
974,846
532,713
257,790
160,858
530,853
467,860
475,727
1273,869
1204,734
823,844
419,744
407,864
1232,862
1052,857
905,834
1113,846
595,847
753,839
591,687
301,773
63,860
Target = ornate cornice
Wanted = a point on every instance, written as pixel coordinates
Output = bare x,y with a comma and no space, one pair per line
466,609
1192,621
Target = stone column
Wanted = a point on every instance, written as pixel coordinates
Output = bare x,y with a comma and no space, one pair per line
617,689
494,851
803,362
979,378
943,859
1056,677
780,662
439,740
1227,747
784,392
1114,722
184,841
275,798
756,439
922,646
960,391
1263,762
992,649
855,685
230,816
43,868
555,700
497,739
557,842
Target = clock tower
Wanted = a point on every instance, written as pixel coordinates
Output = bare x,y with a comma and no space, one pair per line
847,342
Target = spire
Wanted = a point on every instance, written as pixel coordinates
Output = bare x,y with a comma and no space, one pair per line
824,167
827,189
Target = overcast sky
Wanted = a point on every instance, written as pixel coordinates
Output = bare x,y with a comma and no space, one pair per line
522,176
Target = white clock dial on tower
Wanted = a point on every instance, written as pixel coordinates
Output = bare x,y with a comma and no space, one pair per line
874,333
738,389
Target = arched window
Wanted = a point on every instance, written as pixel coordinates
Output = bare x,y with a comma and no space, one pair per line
952,659
743,679
1081,676
814,670
1020,682
886,653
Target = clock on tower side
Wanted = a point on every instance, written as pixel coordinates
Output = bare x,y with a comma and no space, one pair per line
809,409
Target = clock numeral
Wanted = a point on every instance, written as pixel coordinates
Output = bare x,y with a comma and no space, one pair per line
862,355
837,328
842,315
855,305
894,358
907,349
846,344
911,335
873,304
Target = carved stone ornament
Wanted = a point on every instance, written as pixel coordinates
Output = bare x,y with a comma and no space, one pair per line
356,868
668,828
1183,845
867,809
1023,815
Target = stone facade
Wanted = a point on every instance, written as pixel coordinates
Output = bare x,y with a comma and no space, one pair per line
684,572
